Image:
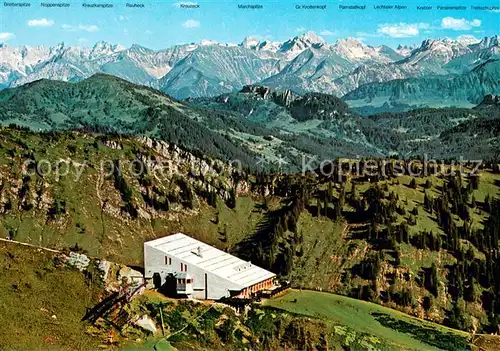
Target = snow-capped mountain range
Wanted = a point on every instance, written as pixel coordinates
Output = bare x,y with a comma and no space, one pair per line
303,63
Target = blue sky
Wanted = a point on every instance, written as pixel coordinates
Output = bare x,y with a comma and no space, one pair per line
163,23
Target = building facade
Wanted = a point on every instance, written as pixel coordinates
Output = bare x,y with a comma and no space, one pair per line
202,271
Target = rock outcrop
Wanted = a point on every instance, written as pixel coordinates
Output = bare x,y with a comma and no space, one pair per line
491,99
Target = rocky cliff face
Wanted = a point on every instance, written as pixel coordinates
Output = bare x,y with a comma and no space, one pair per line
113,190
490,106
283,98
491,99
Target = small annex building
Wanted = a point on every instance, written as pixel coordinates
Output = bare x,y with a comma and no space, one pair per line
202,271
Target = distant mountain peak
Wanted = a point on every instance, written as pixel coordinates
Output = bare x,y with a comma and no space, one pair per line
253,43
429,43
464,40
311,37
105,48
405,50
467,39
269,45
206,42
250,42
401,47
349,42
60,45
137,47
101,43
302,42
443,47
488,42
355,50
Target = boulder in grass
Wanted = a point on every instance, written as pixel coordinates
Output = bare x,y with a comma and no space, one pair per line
146,323
77,260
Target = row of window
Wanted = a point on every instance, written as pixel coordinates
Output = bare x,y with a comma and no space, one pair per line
257,287
168,262
184,281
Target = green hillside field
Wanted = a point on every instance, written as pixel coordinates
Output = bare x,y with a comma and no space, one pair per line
393,330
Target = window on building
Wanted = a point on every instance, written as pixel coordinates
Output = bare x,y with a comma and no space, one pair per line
168,260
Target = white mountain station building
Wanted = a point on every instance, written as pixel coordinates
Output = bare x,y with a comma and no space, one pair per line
203,271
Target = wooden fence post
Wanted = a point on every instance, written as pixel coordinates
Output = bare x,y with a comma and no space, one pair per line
161,316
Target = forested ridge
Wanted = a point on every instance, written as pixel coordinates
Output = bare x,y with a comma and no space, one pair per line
253,123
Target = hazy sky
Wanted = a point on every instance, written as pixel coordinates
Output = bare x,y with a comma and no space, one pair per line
164,23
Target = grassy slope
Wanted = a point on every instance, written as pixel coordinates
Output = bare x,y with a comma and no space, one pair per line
33,290
358,315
